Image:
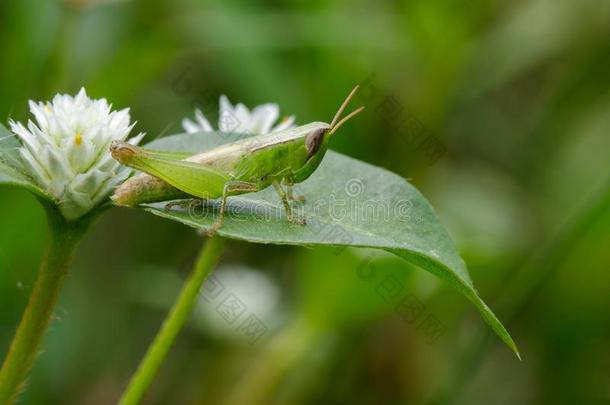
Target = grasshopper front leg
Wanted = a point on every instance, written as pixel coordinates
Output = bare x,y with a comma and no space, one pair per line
229,188
284,197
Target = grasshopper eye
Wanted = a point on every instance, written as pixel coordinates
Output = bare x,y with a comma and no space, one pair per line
313,141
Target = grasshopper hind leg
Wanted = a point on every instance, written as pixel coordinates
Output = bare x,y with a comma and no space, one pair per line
185,204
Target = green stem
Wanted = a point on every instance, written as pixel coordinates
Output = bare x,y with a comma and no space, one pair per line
178,315
62,243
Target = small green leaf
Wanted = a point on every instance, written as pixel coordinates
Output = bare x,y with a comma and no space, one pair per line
348,203
12,171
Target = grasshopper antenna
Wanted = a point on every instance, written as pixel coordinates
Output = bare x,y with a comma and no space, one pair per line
347,117
345,103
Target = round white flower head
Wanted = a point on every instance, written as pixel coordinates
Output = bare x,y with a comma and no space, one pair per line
239,119
66,149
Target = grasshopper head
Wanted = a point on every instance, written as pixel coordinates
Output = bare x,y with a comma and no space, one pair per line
122,151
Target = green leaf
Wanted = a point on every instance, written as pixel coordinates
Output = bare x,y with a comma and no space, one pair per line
12,171
348,203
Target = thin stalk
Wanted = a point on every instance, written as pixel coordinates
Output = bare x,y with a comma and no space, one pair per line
62,242
172,325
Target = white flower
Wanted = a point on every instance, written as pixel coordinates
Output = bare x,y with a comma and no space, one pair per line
239,119
66,149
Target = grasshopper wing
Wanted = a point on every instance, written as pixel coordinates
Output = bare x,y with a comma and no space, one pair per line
196,179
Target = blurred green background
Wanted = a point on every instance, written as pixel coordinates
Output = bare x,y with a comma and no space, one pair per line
517,95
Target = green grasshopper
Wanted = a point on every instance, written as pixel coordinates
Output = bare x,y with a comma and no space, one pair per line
281,159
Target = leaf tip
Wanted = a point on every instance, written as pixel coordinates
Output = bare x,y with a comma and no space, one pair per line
515,350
